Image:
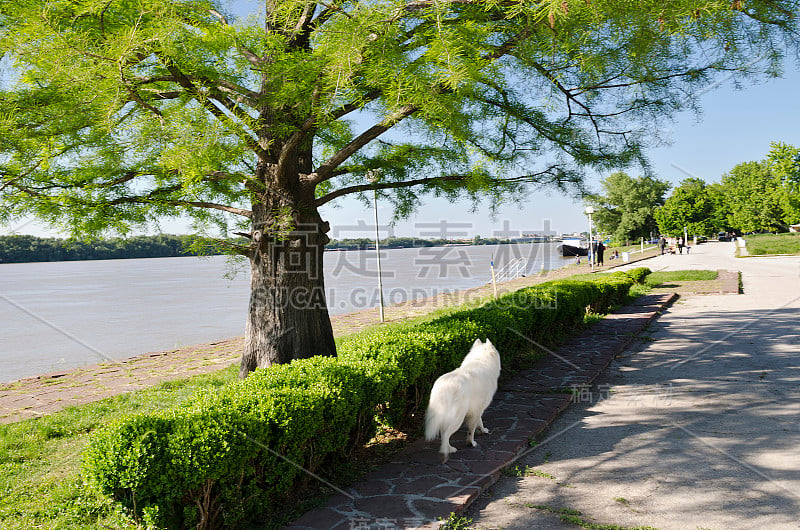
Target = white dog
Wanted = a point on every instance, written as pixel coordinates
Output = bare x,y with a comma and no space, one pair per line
462,395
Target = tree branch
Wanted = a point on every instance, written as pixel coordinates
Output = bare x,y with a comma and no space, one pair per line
240,93
178,202
294,140
387,185
323,172
184,81
326,14
601,86
251,57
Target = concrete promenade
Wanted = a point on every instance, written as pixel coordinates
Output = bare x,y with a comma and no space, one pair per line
697,425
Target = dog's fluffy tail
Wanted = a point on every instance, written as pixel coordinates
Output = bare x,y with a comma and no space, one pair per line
434,422
442,409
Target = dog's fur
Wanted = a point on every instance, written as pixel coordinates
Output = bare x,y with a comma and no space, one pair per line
462,395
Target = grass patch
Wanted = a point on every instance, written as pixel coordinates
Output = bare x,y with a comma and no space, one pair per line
455,522
592,318
653,280
763,244
40,480
527,471
626,248
662,278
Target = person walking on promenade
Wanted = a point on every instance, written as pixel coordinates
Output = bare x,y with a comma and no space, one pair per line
600,249
680,245
662,242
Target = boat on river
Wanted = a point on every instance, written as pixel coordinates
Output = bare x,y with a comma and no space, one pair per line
573,247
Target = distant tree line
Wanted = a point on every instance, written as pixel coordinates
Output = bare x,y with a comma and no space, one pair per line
760,196
25,248
390,242
408,242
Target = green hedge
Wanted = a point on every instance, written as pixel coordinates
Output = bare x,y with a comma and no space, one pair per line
639,274
229,457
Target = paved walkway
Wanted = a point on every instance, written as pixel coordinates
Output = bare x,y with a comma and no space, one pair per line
695,426
36,396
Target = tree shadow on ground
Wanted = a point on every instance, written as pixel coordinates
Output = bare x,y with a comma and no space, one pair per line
695,428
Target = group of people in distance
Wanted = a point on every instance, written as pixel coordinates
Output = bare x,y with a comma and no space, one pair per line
598,250
673,245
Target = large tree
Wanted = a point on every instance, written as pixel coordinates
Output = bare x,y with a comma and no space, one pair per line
764,195
625,208
752,198
116,113
784,163
692,206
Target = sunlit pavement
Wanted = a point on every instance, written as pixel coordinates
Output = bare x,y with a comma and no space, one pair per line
696,426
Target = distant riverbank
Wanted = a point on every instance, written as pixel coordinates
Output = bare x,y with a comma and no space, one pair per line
32,249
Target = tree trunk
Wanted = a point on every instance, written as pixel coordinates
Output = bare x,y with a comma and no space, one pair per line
288,314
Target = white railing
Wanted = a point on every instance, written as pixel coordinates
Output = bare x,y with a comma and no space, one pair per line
511,270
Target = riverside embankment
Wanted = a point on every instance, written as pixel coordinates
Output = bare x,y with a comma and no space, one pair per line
36,396
63,315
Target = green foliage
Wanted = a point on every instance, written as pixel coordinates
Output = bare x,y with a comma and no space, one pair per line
41,484
691,206
456,522
639,274
751,197
764,195
626,208
242,444
784,163
754,196
119,113
527,471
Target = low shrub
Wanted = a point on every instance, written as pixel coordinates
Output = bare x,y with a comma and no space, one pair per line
229,457
639,274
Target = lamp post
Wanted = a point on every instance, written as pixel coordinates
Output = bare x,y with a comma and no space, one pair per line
373,177
589,212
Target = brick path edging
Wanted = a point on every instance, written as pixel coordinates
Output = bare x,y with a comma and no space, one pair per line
414,490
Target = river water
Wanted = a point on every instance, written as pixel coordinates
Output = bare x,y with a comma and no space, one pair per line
60,315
